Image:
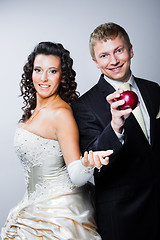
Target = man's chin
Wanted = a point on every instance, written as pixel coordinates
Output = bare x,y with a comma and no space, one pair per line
117,78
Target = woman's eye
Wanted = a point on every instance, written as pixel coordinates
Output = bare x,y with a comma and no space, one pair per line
53,71
37,70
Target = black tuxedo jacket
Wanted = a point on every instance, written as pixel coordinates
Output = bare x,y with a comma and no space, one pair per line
128,189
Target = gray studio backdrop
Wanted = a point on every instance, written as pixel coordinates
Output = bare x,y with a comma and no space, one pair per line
25,23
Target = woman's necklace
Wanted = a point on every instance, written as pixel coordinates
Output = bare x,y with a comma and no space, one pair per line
38,110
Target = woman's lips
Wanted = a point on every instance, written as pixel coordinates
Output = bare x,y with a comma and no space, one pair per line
44,86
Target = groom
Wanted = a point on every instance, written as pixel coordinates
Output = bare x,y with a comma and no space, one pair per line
128,189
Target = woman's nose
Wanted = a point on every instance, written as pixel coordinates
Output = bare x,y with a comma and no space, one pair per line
44,76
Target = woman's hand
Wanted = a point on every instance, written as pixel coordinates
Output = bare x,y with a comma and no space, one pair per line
96,159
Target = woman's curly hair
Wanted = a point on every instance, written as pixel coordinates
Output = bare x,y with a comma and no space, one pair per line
67,89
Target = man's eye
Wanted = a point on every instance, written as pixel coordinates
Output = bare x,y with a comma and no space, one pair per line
103,56
119,50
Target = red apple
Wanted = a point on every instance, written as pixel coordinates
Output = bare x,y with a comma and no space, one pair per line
130,98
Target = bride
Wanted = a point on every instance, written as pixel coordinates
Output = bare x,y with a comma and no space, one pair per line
58,203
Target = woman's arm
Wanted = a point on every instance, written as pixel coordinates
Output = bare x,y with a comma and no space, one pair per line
80,171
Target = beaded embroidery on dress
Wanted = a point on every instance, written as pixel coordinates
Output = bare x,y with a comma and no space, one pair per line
53,207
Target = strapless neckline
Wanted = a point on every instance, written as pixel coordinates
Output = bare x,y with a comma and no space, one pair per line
53,207
34,134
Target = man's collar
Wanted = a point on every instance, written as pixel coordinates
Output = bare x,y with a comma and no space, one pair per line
116,84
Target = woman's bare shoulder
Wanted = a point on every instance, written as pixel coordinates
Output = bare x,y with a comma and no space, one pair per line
60,113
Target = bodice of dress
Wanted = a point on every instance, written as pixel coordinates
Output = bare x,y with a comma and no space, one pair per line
43,163
52,208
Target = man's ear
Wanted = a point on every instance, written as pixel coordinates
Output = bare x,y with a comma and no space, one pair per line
131,51
94,60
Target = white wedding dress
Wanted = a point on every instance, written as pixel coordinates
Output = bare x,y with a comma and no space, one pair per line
53,207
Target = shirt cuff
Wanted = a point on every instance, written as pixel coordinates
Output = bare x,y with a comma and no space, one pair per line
120,136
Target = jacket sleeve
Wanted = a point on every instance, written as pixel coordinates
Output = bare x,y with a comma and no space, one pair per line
93,135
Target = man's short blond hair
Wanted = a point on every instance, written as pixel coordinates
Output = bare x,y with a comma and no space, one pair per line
107,31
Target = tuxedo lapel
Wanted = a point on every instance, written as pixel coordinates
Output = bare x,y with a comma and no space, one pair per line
103,107
148,102
96,100
146,96
105,87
